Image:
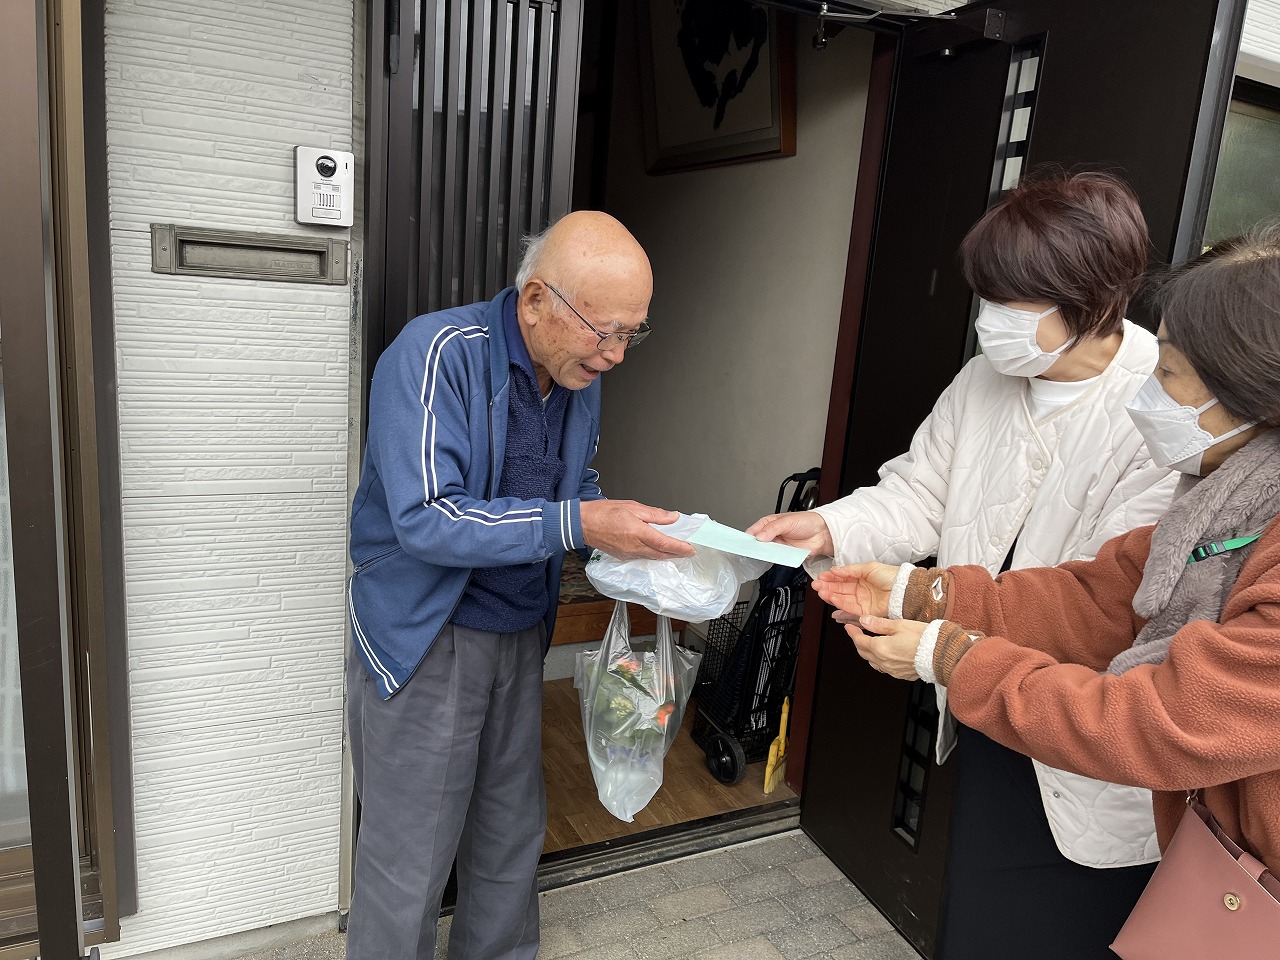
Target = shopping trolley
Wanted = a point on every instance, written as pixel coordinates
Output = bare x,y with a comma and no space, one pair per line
749,664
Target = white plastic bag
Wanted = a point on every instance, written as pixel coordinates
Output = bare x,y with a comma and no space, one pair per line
694,589
633,699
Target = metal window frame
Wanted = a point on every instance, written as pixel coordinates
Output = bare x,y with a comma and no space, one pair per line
86,346
110,668
1215,101
30,390
59,396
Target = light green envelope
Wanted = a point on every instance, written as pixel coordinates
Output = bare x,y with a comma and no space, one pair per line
717,536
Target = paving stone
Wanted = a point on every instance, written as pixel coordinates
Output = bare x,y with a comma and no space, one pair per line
609,951
811,937
708,868
742,923
618,923
815,871
558,940
830,898
645,948
737,909
682,939
569,903
691,903
758,948
760,884
623,888
772,852
865,921
806,844
885,947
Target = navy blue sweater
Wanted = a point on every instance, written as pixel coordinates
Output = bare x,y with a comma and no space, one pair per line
511,598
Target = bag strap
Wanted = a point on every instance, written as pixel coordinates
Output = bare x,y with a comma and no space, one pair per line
1252,866
1248,862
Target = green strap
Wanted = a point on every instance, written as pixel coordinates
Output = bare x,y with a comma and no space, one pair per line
1221,546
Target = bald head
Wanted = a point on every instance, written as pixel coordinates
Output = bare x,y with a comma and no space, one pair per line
589,252
600,270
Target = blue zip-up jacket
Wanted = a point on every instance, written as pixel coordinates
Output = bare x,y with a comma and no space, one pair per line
425,513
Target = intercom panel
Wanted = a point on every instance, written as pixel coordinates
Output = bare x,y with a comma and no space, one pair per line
325,182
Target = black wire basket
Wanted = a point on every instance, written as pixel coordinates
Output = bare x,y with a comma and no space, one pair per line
748,668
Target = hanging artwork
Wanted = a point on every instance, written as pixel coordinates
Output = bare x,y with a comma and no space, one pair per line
719,83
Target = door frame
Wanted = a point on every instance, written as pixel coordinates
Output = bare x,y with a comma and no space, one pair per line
875,138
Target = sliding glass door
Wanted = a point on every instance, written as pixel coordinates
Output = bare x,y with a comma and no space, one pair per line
16,919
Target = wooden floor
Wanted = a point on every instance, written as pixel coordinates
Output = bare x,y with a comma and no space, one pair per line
574,814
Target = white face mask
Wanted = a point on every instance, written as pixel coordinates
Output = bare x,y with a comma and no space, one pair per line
1173,433
1008,339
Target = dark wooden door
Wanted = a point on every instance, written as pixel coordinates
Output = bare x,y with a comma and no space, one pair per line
1139,88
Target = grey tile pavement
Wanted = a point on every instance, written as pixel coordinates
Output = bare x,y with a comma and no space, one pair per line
772,899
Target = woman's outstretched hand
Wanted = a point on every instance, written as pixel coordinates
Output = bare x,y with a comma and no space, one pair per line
859,590
888,645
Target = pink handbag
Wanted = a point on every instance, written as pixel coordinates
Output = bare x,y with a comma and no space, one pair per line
1207,900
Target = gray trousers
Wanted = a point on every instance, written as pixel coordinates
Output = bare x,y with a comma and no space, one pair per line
451,766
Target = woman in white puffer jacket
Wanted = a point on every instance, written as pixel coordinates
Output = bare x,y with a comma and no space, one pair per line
1027,459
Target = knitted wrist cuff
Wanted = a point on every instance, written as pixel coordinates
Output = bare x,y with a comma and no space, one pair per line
899,591
925,598
924,652
562,526
954,641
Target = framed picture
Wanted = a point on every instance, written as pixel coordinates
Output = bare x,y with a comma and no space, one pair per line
719,83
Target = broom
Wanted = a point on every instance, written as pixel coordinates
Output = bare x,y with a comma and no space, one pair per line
775,767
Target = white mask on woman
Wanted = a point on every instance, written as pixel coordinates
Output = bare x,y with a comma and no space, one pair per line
1172,430
1008,339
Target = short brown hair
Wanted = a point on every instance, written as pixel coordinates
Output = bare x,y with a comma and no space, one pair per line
1076,240
1223,312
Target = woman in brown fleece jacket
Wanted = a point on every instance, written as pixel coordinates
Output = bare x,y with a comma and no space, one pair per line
1208,717
1158,663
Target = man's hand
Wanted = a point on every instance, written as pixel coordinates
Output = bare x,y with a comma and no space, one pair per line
862,589
888,645
806,530
621,529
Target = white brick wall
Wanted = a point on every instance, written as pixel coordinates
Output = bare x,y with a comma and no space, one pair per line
1260,47
233,438
1262,30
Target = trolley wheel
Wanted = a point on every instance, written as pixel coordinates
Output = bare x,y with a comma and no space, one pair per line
726,759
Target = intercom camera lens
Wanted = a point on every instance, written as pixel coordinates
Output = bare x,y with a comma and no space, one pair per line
326,166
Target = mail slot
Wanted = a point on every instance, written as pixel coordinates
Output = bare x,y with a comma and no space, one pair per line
197,251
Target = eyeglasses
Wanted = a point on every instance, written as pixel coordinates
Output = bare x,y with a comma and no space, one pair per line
607,340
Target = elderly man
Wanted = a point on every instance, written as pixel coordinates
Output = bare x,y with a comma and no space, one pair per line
476,480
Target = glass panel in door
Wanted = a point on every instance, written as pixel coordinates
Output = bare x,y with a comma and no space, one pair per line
16,919
1246,190
15,827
